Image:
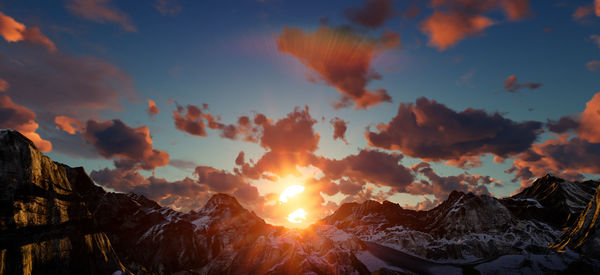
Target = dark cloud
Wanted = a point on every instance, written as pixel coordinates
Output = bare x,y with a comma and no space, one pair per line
339,128
14,31
101,11
60,84
114,139
563,125
182,164
431,131
511,85
372,14
293,133
369,166
342,59
20,118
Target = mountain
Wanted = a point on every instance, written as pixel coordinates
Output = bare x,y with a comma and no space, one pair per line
55,220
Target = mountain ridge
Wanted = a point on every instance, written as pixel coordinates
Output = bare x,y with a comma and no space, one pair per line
129,233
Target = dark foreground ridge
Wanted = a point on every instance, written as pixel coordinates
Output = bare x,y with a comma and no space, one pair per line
55,220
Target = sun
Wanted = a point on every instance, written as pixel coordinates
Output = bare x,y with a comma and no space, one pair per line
297,216
290,192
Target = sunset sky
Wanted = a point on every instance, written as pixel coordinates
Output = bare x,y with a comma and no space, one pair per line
352,100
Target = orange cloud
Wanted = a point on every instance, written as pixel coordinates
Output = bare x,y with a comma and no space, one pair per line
22,119
13,31
342,59
582,12
372,14
455,20
101,11
445,29
69,125
152,109
3,85
589,126
597,7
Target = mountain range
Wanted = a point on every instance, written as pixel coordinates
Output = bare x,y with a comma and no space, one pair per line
55,220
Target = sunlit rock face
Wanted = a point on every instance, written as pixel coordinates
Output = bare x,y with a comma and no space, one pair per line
45,224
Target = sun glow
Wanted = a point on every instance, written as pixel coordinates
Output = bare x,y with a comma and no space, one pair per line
290,192
297,216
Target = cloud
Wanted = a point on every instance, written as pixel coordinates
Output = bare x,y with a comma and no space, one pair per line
152,109
195,120
593,65
582,12
114,139
21,119
339,128
431,131
186,194
372,14
182,164
512,86
69,125
342,59
293,133
589,126
168,7
563,125
368,166
13,31
4,85
597,7
566,156
595,39
445,29
455,20
64,85
101,11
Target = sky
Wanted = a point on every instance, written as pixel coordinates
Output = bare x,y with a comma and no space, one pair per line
343,101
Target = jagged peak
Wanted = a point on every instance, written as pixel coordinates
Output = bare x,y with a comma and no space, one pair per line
14,136
220,200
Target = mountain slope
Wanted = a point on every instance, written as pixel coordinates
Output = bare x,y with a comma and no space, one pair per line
44,222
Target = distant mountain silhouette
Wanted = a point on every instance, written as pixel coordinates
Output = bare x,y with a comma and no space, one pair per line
55,220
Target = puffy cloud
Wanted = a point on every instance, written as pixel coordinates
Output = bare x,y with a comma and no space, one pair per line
589,126
563,125
113,139
186,194
445,29
369,166
372,14
511,85
101,11
593,65
339,128
68,124
455,20
61,84
13,31
152,109
293,133
22,119
441,186
597,7
565,156
168,7
431,131
342,59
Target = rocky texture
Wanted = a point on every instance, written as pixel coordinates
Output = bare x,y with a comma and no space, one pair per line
44,222
55,220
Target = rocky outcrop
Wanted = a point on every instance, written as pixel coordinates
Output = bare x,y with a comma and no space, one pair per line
45,223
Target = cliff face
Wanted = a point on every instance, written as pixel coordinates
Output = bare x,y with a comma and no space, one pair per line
44,222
